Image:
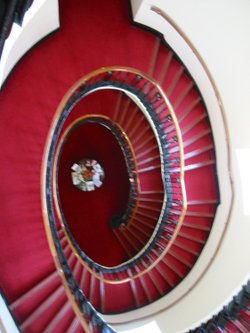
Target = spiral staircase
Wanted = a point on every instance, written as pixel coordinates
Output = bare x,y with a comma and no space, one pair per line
144,119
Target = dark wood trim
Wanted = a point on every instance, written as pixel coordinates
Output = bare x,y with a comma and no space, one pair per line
11,11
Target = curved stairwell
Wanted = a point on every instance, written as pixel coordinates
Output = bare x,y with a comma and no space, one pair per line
177,261
39,302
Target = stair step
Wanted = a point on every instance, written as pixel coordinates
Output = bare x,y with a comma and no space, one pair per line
62,319
40,317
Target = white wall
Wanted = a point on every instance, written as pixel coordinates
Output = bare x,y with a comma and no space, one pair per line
40,20
7,323
212,39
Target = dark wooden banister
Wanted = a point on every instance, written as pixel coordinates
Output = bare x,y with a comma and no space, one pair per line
11,11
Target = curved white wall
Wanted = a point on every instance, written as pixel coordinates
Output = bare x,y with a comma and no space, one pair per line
40,20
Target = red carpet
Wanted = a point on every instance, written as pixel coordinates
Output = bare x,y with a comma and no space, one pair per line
88,213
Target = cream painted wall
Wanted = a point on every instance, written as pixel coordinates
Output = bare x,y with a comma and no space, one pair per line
40,20
218,32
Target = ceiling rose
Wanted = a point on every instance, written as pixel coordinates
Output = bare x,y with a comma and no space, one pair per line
87,175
